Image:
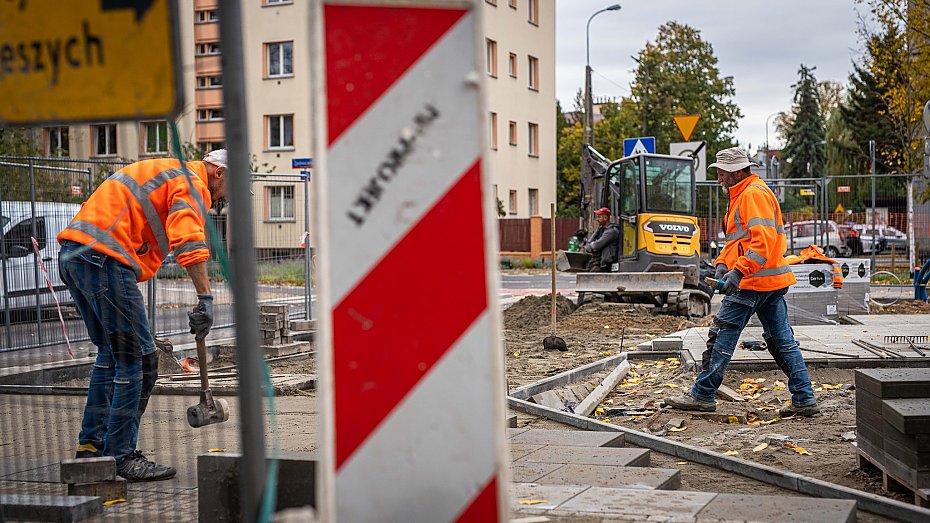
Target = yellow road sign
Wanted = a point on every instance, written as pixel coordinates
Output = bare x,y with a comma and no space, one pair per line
67,60
686,124
806,192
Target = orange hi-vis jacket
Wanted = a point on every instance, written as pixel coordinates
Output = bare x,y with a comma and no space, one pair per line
144,211
755,237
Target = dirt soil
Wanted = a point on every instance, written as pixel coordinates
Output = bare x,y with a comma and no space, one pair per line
903,307
819,447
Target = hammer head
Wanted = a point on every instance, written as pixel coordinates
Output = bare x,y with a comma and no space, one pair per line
201,415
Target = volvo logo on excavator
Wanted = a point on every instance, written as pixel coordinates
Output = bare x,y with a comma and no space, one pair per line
687,229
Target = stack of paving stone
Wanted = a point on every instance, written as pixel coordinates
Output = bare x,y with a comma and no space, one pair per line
893,424
275,329
93,477
854,297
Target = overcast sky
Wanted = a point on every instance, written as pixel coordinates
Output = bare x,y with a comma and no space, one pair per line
760,43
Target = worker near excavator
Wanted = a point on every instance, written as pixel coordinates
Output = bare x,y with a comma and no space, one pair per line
120,237
604,244
755,277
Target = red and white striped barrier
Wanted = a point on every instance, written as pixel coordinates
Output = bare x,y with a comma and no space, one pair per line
412,390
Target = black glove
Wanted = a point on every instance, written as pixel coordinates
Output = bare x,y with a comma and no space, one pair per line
720,271
201,318
731,282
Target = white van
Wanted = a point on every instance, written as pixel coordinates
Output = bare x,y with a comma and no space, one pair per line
18,262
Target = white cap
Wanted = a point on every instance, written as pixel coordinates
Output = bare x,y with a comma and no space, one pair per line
730,160
217,157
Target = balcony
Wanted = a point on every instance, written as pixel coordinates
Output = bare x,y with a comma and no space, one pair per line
204,98
211,131
208,64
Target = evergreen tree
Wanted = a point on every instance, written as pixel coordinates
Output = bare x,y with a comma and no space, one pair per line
804,147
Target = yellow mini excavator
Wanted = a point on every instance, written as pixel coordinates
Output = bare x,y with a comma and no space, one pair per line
652,197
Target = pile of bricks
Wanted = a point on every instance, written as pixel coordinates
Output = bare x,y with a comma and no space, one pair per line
275,332
274,324
893,426
93,477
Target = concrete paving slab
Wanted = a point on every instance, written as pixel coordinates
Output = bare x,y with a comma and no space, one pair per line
105,490
529,472
43,471
919,461
918,442
783,509
511,431
910,416
577,438
892,383
551,496
615,477
675,505
88,470
49,508
622,457
519,450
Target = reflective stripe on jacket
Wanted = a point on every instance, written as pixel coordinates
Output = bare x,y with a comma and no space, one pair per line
144,211
755,237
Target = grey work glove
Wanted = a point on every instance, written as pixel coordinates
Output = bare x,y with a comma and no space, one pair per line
720,272
731,282
201,318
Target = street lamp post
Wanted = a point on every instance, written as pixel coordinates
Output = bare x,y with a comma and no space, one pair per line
587,179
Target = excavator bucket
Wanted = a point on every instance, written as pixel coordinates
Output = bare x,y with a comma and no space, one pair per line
652,282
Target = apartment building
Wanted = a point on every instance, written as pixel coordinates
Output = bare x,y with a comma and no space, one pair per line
520,65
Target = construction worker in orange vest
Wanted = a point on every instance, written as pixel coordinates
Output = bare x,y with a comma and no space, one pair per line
120,237
755,277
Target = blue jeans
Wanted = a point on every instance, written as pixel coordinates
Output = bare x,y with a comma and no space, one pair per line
730,321
107,296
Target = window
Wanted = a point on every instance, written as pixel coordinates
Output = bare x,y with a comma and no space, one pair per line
668,186
513,202
279,59
534,202
534,73
209,115
209,82
208,49
278,2
205,17
533,137
156,137
513,133
18,240
104,139
532,7
492,57
280,131
210,146
513,65
280,203
493,133
513,4
57,141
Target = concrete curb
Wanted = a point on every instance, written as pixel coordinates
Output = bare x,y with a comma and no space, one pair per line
789,480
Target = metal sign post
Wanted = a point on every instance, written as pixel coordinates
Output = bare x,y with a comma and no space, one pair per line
399,124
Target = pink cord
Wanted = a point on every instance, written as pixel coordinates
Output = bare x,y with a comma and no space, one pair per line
64,328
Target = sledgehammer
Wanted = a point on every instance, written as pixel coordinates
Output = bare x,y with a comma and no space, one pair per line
209,410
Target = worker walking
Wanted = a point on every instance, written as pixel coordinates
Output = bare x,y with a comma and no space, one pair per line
755,278
604,244
120,237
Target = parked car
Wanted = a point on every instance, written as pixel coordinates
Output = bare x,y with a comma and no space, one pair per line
886,238
18,285
826,234
853,240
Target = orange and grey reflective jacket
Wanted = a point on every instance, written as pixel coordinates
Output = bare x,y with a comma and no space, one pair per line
144,211
755,237
814,254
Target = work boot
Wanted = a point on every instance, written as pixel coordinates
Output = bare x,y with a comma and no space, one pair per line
87,450
791,410
687,402
137,467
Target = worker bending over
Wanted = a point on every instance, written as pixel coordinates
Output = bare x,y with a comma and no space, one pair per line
120,237
755,278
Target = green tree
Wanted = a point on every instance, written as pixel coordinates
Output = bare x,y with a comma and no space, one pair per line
678,75
804,139
17,141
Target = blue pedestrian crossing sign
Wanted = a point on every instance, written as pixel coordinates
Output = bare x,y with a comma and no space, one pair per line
646,144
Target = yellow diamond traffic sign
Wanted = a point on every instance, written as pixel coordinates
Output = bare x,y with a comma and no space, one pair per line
67,60
686,124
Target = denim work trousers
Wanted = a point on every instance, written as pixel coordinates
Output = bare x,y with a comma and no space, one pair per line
107,297
730,321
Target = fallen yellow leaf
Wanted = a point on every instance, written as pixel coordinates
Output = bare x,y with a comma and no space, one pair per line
606,420
759,380
749,380
532,501
516,353
671,359
760,447
599,411
803,451
779,383
671,385
658,392
730,453
732,419
216,449
676,429
605,353
114,502
681,462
